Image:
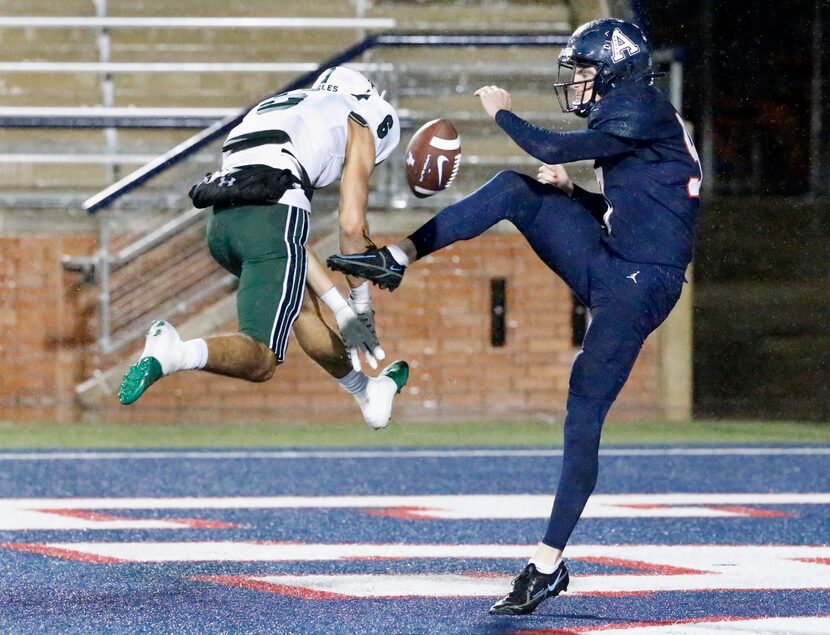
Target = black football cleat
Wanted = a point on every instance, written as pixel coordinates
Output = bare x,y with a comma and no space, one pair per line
376,265
530,588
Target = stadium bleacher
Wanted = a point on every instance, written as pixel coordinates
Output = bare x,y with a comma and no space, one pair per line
129,70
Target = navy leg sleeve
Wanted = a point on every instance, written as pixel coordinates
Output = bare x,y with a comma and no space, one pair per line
623,314
580,466
600,369
560,230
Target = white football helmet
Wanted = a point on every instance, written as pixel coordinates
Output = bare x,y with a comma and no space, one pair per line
345,80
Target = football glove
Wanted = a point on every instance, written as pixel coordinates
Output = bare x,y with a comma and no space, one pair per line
358,337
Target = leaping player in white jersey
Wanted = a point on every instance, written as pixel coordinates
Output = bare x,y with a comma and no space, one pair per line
286,147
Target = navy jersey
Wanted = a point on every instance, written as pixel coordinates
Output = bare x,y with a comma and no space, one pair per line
646,165
653,191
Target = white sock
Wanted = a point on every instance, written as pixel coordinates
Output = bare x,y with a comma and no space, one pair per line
194,354
354,383
399,255
361,296
542,567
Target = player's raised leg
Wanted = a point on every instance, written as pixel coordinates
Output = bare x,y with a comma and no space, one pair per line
468,218
560,230
234,355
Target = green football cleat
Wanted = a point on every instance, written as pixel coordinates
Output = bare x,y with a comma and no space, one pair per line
141,375
398,372
162,355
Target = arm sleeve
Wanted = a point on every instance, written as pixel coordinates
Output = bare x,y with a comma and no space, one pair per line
560,147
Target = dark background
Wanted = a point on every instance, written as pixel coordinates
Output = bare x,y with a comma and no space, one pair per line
762,292
761,66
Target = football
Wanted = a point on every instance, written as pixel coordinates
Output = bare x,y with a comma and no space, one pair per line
432,158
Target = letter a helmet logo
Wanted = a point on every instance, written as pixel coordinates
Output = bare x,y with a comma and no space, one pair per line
621,46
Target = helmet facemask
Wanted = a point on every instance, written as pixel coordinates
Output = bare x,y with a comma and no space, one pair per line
575,92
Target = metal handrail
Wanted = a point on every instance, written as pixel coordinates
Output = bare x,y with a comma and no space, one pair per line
156,237
169,309
156,67
197,22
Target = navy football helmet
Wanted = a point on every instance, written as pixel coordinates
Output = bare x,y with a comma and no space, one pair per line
618,51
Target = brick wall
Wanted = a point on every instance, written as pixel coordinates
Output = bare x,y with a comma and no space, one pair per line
44,328
438,320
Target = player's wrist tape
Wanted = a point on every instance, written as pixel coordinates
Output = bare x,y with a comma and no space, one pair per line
333,300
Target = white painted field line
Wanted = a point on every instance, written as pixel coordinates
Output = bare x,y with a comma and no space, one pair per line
20,514
399,454
651,567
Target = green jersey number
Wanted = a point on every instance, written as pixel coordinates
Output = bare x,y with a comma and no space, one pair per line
281,101
385,126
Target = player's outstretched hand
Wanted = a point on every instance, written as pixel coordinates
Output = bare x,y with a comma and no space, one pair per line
557,176
358,338
366,313
494,99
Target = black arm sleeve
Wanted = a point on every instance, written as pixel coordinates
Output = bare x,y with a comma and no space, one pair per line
560,147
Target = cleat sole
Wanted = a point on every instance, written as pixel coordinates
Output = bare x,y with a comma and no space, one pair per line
378,276
140,376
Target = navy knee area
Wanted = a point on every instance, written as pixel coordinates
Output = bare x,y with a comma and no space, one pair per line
519,183
610,348
523,194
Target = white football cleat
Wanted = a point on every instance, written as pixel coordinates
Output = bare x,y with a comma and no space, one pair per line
163,354
164,343
376,400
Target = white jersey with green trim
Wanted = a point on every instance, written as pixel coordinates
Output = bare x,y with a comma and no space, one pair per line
307,130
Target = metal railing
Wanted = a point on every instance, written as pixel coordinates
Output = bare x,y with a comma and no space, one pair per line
188,147
214,22
106,70
106,263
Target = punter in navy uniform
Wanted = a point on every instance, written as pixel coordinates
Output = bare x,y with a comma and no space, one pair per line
623,251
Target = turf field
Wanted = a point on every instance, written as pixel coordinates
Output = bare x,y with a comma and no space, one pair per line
678,538
405,434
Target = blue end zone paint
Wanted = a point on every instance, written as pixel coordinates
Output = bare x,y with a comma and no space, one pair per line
50,595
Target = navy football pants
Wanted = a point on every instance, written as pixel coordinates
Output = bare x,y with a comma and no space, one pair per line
627,301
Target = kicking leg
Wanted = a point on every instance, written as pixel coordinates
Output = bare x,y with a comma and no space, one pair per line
560,230
497,199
